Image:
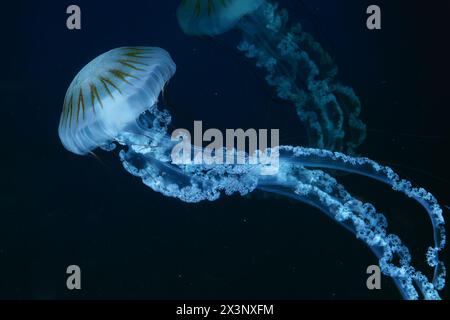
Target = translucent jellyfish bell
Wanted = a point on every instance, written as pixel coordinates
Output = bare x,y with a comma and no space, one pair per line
213,17
111,91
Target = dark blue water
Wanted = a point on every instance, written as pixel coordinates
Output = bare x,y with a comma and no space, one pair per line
59,209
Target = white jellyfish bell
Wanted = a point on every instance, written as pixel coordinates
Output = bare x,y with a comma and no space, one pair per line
111,91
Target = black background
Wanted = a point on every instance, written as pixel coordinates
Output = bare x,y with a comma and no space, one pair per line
59,209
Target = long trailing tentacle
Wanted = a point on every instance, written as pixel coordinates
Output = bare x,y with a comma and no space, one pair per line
366,167
320,190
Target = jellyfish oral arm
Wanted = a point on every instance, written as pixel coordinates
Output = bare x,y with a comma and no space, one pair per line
318,189
405,288
369,168
363,166
298,177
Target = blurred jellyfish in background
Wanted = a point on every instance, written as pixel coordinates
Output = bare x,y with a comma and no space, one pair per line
295,64
113,104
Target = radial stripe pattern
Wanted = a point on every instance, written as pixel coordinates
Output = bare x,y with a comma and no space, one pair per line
127,62
111,91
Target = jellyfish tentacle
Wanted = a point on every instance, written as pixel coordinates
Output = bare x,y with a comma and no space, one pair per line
366,167
331,207
323,192
152,163
195,183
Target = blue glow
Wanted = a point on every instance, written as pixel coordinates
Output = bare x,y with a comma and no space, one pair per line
145,152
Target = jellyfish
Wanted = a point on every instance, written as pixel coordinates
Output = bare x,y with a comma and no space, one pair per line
112,104
296,65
